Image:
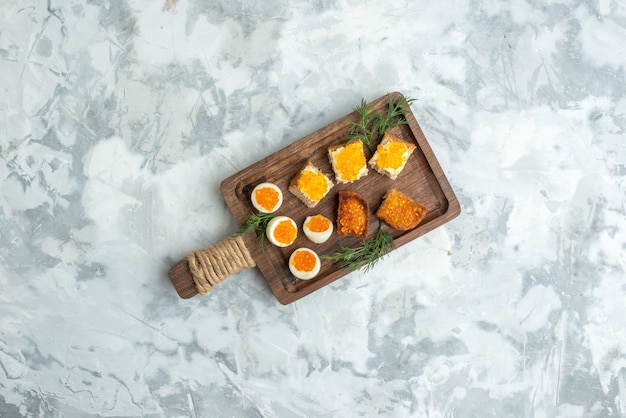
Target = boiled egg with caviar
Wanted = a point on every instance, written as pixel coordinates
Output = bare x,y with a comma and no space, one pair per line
304,263
317,228
266,197
282,231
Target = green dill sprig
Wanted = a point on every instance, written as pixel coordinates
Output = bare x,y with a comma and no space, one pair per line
371,126
366,255
394,116
257,222
362,129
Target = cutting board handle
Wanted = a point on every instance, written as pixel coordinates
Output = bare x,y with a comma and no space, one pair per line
201,270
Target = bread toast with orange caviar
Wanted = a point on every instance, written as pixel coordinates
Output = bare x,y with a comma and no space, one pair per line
310,185
399,211
352,214
391,155
348,161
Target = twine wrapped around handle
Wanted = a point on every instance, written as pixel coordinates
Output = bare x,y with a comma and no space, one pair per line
215,263
204,269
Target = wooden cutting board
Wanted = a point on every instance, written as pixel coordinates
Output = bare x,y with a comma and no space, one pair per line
422,179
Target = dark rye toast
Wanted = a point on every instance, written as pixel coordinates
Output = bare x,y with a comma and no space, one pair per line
352,214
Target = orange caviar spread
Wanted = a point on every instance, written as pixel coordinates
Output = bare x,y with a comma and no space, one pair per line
400,211
267,197
303,261
352,218
391,155
285,232
314,184
318,223
350,160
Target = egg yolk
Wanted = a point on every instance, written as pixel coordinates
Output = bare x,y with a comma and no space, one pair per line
266,197
318,223
392,155
285,232
303,261
314,184
350,160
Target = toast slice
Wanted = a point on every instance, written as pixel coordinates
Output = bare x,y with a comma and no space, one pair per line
310,185
391,155
352,214
348,161
399,211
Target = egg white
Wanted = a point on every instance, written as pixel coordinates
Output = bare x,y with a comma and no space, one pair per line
305,275
271,228
317,237
256,204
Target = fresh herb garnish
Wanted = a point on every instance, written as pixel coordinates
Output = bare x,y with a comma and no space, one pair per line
362,129
258,222
366,255
372,125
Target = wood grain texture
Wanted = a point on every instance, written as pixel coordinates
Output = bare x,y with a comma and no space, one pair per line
181,278
422,179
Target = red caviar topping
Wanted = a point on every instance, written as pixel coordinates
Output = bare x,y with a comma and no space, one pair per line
266,197
318,223
303,261
285,232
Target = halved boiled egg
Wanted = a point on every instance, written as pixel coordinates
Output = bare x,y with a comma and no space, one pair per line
304,263
266,197
317,228
282,231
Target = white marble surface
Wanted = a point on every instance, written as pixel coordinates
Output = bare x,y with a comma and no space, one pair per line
120,121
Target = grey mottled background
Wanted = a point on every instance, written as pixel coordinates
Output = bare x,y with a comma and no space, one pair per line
120,119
